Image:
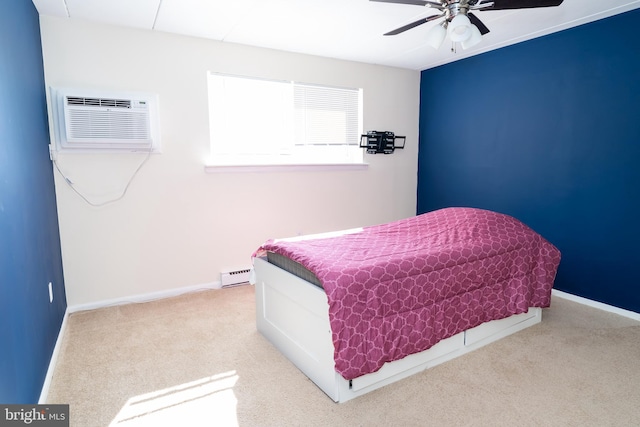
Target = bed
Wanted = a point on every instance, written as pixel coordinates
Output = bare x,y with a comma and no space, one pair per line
359,309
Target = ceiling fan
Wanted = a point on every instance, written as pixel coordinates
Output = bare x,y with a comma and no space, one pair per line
462,25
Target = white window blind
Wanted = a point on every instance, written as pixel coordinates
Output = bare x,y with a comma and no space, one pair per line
326,115
257,121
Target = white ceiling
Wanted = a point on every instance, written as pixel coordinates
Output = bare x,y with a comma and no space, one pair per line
344,29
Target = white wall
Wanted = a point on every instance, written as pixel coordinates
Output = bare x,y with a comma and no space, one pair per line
179,226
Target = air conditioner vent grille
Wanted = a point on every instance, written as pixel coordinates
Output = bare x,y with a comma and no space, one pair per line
99,102
107,125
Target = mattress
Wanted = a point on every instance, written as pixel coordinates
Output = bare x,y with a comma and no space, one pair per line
293,267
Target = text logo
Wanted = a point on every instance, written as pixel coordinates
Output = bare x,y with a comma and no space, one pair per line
34,415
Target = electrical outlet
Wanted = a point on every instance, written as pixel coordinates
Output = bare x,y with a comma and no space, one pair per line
52,153
50,293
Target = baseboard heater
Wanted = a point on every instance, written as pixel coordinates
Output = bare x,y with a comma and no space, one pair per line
234,278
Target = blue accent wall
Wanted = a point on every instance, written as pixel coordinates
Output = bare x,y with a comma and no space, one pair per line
548,131
30,254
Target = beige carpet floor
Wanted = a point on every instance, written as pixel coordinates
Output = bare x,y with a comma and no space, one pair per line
197,360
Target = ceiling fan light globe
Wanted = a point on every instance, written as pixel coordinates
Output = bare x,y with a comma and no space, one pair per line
476,37
459,28
436,36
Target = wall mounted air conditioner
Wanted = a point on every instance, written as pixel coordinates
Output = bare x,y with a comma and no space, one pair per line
90,121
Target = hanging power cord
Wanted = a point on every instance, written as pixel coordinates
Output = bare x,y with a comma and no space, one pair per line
75,190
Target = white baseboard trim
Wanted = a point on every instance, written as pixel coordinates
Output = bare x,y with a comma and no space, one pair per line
152,296
44,393
591,303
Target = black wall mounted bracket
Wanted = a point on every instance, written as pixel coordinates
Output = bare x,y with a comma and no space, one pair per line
381,142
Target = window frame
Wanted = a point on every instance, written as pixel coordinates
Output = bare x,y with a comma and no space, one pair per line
351,158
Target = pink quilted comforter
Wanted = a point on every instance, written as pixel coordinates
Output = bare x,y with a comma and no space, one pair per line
399,288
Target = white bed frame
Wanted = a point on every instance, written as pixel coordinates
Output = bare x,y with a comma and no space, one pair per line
293,315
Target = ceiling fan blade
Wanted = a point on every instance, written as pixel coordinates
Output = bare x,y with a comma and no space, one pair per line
415,2
522,4
478,23
413,25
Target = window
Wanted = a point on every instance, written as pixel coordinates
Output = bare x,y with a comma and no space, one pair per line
266,122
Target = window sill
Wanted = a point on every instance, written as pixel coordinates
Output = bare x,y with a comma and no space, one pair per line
286,168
